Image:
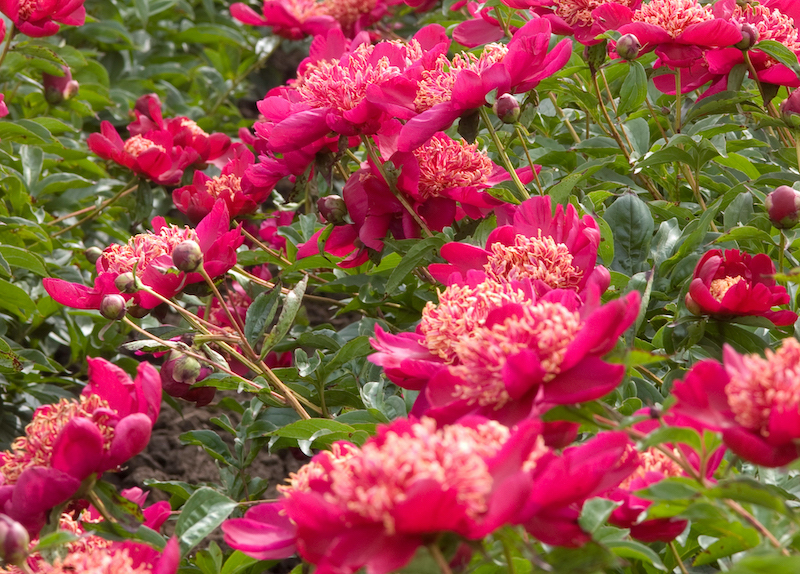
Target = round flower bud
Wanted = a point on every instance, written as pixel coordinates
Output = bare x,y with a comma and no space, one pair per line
783,207
749,37
126,283
113,307
628,47
14,541
92,254
186,370
692,305
506,107
187,256
59,88
790,109
333,209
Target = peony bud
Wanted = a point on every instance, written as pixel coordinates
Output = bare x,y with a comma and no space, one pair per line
506,107
790,109
783,207
333,209
179,373
187,256
126,283
186,370
692,305
59,88
628,47
749,37
138,312
14,541
149,105
113,307
92,254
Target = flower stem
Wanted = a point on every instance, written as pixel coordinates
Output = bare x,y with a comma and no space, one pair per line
678,102
530,161
572,131
94,211
502,152
677,556
441,561
9,36
781,250
753,521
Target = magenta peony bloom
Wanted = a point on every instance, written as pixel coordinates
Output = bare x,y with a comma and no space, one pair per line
198,199
553,251
572,17
153,155
151,255
448,89
496,350
753,401
354,507
735,283
38,19
72,440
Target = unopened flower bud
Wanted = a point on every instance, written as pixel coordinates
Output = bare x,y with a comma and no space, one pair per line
506,107
59,88
790,109
692,305
187,256
138,312
113,307
148,105
14,541
92,254
126,283
333,209
749,37
186,370
628,47
783,207
595,56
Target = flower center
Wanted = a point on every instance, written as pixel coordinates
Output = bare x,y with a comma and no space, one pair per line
461,310
107,562
144,248
674,16
27,8
137,145
652,460
342,84
436,85
719,287
36,447
579,12
770,24
224,186
346,12
373,480
765,385
446,164
192,126
545,328
536,258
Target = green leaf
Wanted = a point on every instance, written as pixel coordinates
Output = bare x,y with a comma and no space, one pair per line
781,53
420,252
672,435
142,8
595,513
634,89
24,259
560,191
740,538
9,360
16,300
637,551
237,562
745,233
744,489
211,443
205,510
354,349
632,225
291,305
58,538
260,314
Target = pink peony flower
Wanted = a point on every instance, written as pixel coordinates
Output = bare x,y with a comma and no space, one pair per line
753,401
735,283
198,199
449,89
3,106
151,255
553,251
496,350
72,440
153,155
38,19
354,507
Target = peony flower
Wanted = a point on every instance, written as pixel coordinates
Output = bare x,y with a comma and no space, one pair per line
552,251
735,283
198,199
59,88
353,507
150,254
74,439
450,89
753,401
38,19
295,19
153,155
496,350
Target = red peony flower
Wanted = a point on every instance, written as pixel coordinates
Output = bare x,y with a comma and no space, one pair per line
72,440
198,199
153,155
151,255
114,558
38,19
495,350
735,283
753,401
553,251
354,507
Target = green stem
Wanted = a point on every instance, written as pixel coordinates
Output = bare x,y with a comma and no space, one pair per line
502,152
94,211
530,161
439,558
678,102
781,250
677,556
9,36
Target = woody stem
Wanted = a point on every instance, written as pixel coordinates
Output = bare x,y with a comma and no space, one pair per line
502,153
